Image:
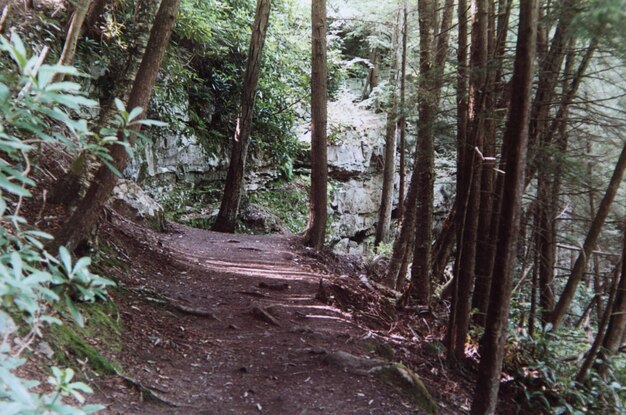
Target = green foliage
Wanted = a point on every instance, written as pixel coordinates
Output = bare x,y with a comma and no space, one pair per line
72,347
35,110
547,364
198,92
604,19
288,201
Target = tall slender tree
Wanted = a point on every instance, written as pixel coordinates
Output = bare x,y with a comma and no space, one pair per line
549,70
616,330
567,296
485,246
604,332
316,228
461,133
515,150
389,169
227,217
85,216
549,177
419,288
402,113
470,181
403,244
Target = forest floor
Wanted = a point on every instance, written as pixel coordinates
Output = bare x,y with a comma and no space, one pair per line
217,324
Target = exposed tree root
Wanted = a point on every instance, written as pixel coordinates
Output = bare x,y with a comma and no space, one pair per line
151,394
264,315
173,304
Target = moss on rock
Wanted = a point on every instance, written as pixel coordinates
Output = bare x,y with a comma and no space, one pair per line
408,384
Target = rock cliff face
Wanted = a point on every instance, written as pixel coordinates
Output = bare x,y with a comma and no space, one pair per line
355,162
355,155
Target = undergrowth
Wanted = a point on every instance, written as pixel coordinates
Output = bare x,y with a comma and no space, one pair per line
79,347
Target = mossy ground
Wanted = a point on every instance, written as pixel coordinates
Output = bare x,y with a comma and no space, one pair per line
102,329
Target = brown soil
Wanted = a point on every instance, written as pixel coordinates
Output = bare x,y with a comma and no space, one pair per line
192,306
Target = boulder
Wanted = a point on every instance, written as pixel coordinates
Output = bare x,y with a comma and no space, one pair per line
131,201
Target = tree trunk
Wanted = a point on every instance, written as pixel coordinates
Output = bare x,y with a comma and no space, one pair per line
489,207
73,33
442,248
516,142
461,135
94,15
383,224
533,291
548,80
67,189
614,332
470,182
590,241
402,120
485,247
86,215
139,32
404,242
597,281
420,289
545,244
68,186
316,229
227,217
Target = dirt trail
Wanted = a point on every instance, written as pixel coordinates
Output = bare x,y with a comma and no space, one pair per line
195,334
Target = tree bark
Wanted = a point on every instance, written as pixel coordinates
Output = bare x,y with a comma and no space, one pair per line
73,33
316,229
86,215
420,289
404,242
144,20
604,329
226,220
67,189
94,15
580,265
383,224
516,142
470,181
616,330
402,120
461,136
548,80
485,247
533,291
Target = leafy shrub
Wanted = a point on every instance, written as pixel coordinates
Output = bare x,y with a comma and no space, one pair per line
546,366
35,110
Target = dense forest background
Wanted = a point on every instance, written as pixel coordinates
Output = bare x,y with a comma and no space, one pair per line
469,156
